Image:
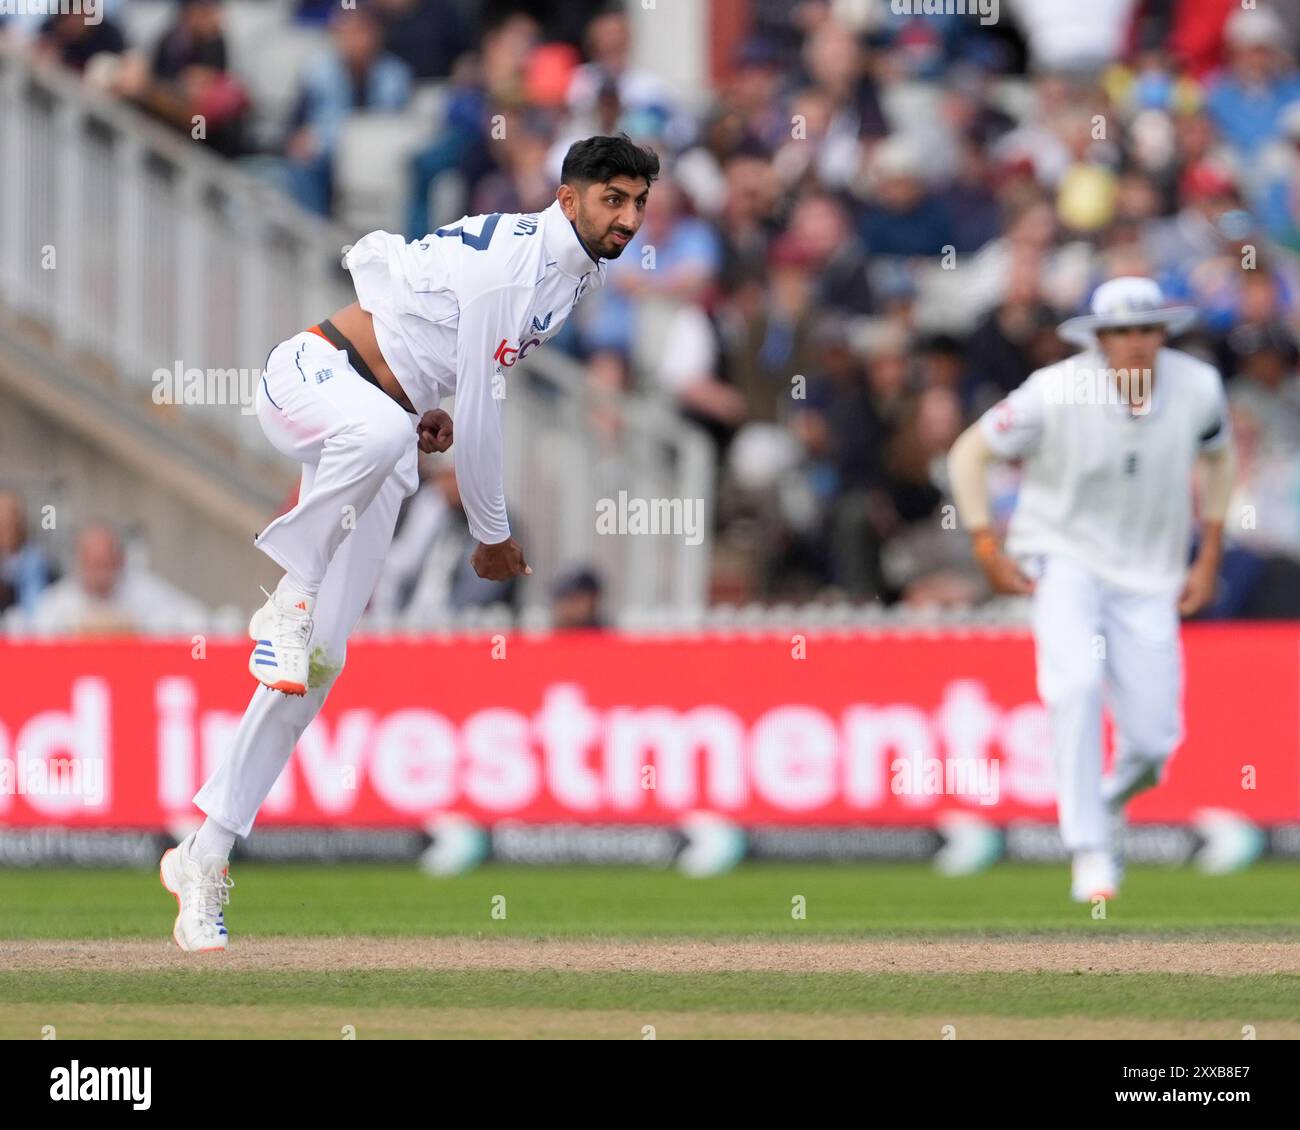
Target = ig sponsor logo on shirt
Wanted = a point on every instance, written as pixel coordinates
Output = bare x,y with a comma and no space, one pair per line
506,354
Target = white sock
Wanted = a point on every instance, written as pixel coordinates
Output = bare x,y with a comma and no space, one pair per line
292,592
213,839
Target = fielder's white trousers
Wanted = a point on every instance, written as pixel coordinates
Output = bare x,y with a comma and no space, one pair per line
1098,645
358,450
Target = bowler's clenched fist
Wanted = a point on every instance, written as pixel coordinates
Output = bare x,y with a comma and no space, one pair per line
500,562
434,430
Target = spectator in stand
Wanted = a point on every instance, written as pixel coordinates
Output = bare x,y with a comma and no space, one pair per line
1267,491
691,370
1154,81
642,94
822,150
1192,30
1137,201
1247,101
26,570
492,78
427,575
1278,176
1036,139
427,35
835,62
575,601
1179,244
1289,239
929,42
187,83
770,338
1241,283
1065,35
356,75
105,596
605,118
922,563
1007,344
968,108
1197,141
1266,387
969,199
1085,194
941,363
746,222
749,114
821,223
23,23
903,217
846,436
674,259
72,41
522,182
1261,567
864,406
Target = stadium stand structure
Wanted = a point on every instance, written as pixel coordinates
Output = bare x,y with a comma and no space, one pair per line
135,266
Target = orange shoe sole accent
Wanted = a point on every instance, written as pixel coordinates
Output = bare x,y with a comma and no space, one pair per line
174,894
285,686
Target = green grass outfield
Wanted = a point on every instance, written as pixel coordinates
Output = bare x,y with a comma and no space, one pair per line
136,984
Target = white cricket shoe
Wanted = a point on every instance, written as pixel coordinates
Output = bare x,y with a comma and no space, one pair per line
1092,876
202,888
281,633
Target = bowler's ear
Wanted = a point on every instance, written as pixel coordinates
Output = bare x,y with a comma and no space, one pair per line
567,195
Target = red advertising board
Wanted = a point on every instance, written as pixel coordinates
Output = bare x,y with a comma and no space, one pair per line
602,728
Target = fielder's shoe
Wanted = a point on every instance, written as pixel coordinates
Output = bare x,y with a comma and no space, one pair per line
1092,876
281,632
202,888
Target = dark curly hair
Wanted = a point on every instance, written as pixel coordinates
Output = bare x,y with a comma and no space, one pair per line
595,160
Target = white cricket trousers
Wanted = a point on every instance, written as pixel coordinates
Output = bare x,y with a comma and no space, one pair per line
358,450
1098,645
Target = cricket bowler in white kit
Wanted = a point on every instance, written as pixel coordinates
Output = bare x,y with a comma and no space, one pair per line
1110,440
352,399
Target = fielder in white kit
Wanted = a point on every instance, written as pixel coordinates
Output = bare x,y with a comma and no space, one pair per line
352,399
1110,441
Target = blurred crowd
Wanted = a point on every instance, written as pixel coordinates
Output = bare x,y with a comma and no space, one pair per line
105,587
100,592
868,228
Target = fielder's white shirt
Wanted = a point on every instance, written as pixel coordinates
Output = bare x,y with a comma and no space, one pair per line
1101,485
453,313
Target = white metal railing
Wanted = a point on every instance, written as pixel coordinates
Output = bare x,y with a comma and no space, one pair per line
561,465
128,242
994,617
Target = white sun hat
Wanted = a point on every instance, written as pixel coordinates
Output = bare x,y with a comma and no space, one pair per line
1127,302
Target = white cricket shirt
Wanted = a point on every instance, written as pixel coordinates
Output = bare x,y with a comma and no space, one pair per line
1102,485
453,313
